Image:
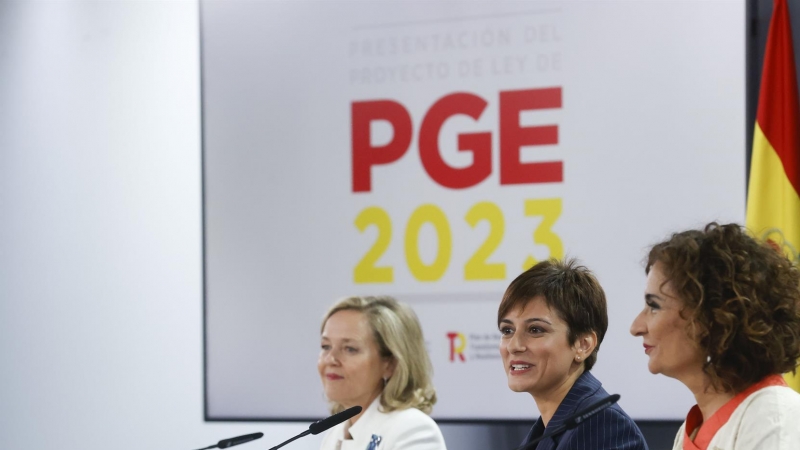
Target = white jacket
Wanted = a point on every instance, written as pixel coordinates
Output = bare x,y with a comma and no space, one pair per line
408,429
768,419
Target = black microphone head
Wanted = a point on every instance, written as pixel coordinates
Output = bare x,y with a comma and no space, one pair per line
591,410
225,443
322,425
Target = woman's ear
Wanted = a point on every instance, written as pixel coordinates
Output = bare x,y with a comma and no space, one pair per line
391,365
585,345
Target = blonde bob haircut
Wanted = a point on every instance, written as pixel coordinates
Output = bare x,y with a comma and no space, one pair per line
399,337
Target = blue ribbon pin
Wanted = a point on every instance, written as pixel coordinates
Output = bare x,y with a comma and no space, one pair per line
373,444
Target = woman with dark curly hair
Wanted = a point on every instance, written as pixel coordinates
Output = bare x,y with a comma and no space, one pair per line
722,316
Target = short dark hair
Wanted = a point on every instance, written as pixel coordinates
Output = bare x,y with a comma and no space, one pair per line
571,290
741,298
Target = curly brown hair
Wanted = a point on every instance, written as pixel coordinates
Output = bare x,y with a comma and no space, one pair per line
741,298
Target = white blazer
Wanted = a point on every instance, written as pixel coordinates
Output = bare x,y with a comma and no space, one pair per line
768,419
408,429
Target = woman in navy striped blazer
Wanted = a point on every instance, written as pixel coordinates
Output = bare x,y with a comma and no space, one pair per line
552,319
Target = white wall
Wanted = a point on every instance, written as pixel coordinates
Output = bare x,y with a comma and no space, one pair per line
100,230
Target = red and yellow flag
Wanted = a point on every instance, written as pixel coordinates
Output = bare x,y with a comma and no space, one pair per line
773,200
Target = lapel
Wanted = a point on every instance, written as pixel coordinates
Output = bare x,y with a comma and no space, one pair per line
585,386
536,431
371,420
361,432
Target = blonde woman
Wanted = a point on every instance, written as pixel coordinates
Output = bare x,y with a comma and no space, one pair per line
373,355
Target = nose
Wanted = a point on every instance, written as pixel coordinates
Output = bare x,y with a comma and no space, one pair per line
330,358
639,327
516,344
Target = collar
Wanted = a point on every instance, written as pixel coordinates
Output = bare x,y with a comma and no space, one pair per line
585,386
694,419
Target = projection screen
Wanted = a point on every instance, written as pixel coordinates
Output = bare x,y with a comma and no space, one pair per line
433,150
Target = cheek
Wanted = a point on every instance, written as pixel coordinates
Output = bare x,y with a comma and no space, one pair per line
559,354
662,329
363,367
542,348
674,333
321,366
674,340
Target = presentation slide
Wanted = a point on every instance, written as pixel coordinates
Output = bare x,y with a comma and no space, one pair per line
432,151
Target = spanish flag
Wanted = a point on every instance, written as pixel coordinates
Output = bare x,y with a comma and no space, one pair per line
773,199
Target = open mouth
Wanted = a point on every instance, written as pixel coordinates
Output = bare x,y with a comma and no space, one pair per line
517,368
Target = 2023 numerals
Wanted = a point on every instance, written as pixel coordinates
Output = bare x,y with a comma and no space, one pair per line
477,267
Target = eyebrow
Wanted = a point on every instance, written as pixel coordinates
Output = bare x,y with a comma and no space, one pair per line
534,319
345,340
653,297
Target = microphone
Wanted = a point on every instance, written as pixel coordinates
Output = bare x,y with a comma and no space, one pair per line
322,425
330,422
574,420
230,442
225,443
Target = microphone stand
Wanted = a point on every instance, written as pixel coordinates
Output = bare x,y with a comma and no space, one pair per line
324,424
304,433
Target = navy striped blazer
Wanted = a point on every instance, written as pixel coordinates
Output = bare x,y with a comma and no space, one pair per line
608,429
